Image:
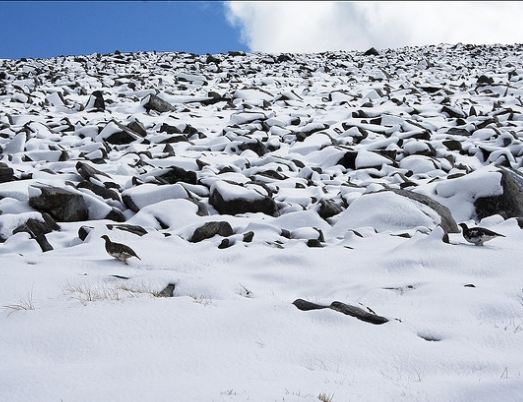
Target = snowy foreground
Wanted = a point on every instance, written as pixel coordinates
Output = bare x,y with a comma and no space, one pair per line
330,177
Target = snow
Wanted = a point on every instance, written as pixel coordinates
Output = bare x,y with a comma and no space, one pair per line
128,345
336,126
370,159
418,164
148,194
230,192
459,194
385,211
172,212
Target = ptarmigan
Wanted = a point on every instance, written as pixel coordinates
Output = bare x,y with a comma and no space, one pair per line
477,235
119,251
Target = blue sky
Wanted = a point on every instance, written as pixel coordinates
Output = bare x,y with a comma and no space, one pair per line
45,29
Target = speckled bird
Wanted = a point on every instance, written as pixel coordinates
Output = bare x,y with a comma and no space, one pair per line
477,235
119,251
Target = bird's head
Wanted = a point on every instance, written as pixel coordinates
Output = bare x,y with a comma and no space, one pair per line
463,226
105,237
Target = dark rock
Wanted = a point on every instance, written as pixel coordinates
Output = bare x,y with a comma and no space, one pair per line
453,112
6,173
61,204
234,53
115,215
286,233
212,59
282,58
84,231
213,98
510,203
248,236
348,160
328,208
371,52
87,171
174,139
305,305
225,243
484,80
253,145
211,229
452,145
168,291
129,203
189,130
272,174
135,229
121,277
470,285
37,229
99,190
357,312
154,102
314,243
176,174
43,243
166,128
137,128
126,136
265,205
346,309
95,102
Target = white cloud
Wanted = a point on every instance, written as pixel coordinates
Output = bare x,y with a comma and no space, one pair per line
319,26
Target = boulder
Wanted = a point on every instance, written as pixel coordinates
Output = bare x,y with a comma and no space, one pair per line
154,102
140,196
118,134
510,203
211,229
343,308
348,160
62,205
175,174
448,223
84,231
134,229
328,208
96,102
100,191
87,171
371,52
6,173
234,199
168,291
385,211
38,227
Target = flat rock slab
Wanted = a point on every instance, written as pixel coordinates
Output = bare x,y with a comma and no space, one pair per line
343,308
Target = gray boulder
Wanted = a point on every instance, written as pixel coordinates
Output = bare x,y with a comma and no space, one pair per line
232,206
62,205
211,229
510,203
447,221
153,102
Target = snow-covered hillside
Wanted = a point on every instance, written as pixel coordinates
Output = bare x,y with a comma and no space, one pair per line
250,185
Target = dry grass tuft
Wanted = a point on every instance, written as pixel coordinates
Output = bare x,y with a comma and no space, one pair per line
23,305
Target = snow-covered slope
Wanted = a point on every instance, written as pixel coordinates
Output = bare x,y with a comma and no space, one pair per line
245,182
